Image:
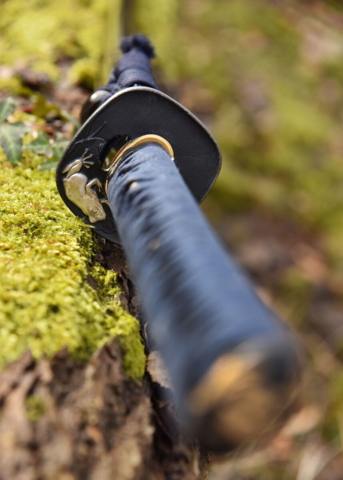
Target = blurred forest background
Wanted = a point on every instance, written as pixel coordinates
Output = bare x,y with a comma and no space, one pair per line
266,77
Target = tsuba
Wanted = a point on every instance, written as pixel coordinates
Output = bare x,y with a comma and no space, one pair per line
131,113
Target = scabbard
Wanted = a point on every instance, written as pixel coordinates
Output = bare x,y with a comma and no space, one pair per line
227,353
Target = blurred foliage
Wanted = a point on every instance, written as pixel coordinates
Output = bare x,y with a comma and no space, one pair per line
266,76
40,33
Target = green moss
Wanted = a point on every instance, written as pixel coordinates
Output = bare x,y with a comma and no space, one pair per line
38,33
46,302
35,408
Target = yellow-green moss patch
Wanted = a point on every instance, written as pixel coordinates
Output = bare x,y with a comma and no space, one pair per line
35,408
46,302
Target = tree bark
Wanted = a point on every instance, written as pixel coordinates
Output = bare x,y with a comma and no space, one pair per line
67,420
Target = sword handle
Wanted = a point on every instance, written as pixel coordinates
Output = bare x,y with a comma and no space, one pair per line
234,366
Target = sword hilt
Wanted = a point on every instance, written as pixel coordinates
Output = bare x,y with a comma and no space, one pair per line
234,366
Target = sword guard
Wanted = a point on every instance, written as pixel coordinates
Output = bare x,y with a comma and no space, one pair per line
125,117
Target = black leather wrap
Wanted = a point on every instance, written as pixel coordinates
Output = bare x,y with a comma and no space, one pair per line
197,302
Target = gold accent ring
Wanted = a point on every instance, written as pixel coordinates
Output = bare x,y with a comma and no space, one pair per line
150,138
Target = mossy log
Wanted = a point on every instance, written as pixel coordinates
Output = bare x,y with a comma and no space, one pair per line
76,400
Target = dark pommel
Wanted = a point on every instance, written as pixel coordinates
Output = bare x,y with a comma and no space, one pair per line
247,394
138,42
133,67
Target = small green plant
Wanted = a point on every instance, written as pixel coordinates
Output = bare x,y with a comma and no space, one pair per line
21,131
11,134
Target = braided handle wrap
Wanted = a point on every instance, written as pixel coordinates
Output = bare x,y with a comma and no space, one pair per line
234,366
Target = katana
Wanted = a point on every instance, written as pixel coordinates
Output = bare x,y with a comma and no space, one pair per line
234,366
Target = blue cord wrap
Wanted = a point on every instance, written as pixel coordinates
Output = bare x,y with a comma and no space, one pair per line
197,302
